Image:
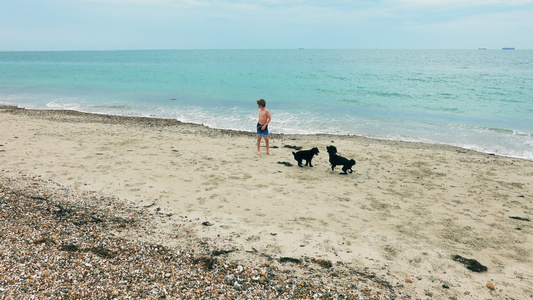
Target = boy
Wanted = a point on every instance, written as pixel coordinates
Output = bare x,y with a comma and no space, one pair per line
262,125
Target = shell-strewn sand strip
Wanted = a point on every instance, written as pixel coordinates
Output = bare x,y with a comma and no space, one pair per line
60,245
407,220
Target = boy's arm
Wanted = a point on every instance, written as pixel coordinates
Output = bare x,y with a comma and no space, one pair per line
268,118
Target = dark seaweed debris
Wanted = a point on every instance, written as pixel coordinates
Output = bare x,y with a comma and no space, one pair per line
470,264
521,219
290,259
222,252
293,147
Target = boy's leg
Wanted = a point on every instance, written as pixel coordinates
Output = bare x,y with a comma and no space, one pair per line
258,145
267,145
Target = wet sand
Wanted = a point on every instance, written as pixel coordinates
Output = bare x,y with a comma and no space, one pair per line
398,221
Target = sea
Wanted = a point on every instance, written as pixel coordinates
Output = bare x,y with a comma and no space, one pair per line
475,99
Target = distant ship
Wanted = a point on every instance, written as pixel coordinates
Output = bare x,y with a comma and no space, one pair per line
482,48
508,48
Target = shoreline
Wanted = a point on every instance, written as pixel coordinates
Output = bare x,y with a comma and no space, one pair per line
159,121
407,209
66,115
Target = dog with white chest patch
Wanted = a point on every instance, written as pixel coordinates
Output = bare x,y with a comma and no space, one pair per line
337,160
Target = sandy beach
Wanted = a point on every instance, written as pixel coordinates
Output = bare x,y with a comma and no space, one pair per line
408,217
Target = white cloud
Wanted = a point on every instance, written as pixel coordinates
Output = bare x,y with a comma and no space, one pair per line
132,24
464,3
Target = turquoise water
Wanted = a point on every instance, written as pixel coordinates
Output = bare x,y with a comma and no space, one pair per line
481,100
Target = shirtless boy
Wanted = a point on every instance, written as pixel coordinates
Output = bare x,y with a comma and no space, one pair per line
262,125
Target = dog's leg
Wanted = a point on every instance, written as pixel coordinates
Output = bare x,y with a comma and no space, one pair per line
345,169
308,163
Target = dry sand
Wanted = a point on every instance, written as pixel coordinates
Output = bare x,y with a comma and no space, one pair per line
407,209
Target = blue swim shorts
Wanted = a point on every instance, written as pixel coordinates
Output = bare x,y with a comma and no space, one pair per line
260,131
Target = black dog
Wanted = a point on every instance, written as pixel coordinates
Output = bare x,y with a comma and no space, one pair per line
336,160
305,154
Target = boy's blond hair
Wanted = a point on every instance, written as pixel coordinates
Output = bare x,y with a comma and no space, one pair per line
261,102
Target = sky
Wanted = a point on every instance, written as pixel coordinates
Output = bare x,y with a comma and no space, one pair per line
37,25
